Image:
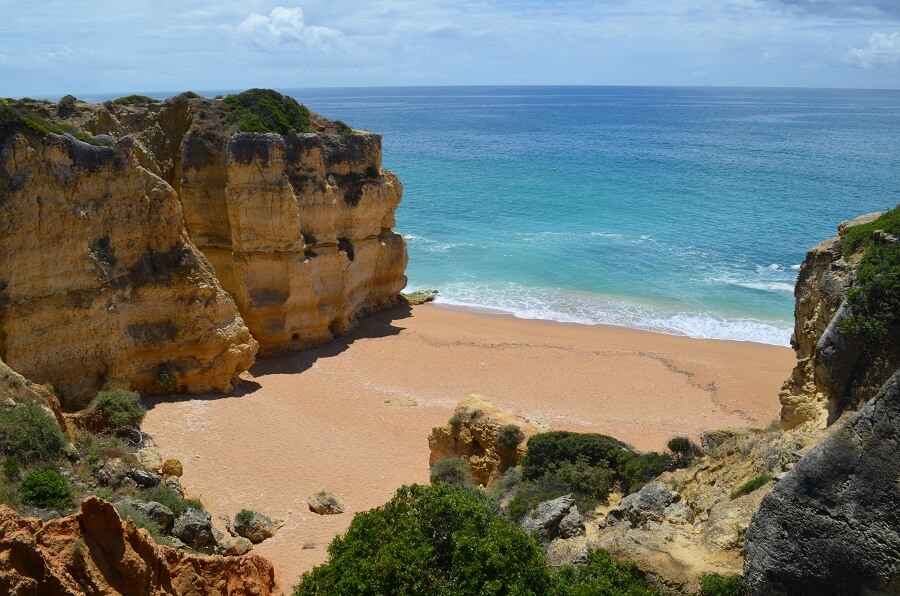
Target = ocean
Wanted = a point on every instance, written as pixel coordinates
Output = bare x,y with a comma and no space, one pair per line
679,210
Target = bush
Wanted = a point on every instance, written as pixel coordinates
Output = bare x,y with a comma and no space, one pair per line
372,172
185,96
451,470
264,110
96,448
45,487
590,484
456,421
602,575
682,447
132,100
29,433
751,486
723,585
66,106
342,127
244,517
511,479
12,116
632,469
121,409
164,495
438,539
11,469
508,437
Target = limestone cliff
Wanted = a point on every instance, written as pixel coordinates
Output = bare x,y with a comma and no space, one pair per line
100,285
94,552
296,225
834,372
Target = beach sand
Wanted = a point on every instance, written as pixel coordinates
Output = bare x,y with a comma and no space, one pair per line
354,416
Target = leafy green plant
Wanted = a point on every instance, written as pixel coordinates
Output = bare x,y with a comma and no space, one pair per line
12,116
590,484
438,539
120,409
456,421
508,437
265,110
66,106
185,96
244,517
682,447
715,584
30,433
11,469
451,470
165,379
45,487
510,480
164,495
750,486
603,576
342,127
134,99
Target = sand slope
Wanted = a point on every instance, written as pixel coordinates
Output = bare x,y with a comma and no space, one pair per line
353,417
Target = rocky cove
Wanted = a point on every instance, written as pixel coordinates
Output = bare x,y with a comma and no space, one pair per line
168,252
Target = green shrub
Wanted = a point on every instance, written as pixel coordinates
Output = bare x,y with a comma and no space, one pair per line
590,484
11,469
451,470
511,479
372,172
244,517
860,237
131,100
438,539
874,298
66,106
602,576
120,409
185,96
264,110
456,421
723,585
29,433
632,469
750,486
45,487
164,495
682,447
342,127
139,519
165,379
97,448
12,116
508,437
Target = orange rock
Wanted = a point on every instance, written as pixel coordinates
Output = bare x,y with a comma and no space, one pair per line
94,551
171,467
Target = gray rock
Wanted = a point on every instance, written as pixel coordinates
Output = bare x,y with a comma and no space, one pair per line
112,473
832,524
174,484
546,518
572,524
648,504
156,512
325,503
836,357
194,528
144,479
679,513
234,546
254,526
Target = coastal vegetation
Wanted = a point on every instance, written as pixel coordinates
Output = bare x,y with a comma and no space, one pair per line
14,114
120,409
131,100
452,470
875,293
750,486
29,433
716,584
265,110
451,539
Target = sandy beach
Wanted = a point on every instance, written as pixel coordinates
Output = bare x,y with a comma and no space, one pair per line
353,417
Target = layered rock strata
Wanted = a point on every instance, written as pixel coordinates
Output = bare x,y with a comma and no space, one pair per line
94,552
835,371
100,285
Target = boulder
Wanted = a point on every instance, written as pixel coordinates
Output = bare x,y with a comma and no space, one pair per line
233,546
156,512
472,435
572,524
254,526
144,479
325,503
545,520
194,528
832,524
150,459
174,484
171,467
648,504
113,473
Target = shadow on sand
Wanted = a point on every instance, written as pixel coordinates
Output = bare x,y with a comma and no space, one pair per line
372,326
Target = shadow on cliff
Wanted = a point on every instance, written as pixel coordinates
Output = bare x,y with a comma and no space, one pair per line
373,326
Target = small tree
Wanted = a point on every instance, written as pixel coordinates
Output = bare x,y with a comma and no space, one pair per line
120,409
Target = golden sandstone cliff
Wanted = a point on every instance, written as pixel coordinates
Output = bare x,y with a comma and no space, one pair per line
166,257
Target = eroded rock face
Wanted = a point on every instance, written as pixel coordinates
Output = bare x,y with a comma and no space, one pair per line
94,552
100,285
834,371
472,436
832,525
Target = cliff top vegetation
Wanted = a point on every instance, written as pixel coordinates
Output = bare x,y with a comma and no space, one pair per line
265,110
14,114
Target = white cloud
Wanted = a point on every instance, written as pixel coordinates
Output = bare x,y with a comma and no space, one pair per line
883,50
285,27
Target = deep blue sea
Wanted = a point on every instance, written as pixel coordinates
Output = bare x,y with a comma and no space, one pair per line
680,210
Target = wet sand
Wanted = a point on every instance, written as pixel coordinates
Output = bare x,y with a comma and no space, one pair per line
353,417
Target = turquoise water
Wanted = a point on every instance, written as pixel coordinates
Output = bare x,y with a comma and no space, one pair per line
681,210
686,211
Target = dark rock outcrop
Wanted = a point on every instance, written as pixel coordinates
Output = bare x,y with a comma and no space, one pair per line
546,519
832,525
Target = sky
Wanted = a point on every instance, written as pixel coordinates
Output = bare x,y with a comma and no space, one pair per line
52,47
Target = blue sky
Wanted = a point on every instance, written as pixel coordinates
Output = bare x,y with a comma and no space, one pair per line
52,47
